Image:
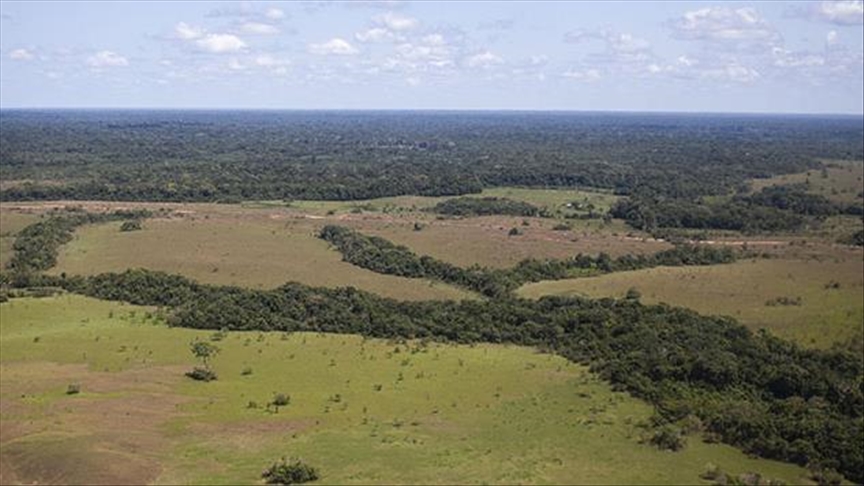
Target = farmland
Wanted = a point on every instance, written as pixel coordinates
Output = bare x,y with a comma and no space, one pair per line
361,410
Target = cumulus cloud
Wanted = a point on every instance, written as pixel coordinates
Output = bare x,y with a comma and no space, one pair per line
396,22
259,28
722,24
844,12
187,32
484,59
375,34
21,55
220,43
831,38
104,59
336,46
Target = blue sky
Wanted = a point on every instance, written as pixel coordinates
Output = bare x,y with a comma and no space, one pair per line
796,57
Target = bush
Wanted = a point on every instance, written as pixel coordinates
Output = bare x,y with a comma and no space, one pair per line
668,438
294,471
201,374
133,225
73,389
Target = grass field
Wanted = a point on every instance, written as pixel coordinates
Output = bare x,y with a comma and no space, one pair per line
741,290
253,252
362,411
841,181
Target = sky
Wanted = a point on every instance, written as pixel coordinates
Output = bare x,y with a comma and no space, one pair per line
754,57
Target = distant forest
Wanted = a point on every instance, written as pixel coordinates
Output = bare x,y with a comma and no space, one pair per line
232,156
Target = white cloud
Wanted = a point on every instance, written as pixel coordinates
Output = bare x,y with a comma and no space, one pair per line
187,32
274,14
106,59
831,38
21,55
784,58
220,43
587,75
268,61
336,46
375,34
484,59
394,21
844,12
259,28
722,24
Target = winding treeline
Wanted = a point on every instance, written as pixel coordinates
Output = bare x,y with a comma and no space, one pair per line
382,256
762,394
36,245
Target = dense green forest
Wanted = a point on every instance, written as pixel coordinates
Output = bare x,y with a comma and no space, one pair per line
230,156
773,209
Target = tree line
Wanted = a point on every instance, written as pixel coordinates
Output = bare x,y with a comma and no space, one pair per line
773,209
382,256
35,247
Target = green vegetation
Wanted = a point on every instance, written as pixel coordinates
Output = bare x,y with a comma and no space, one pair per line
229,157
472,206
294,471
462,414
827,314
749,390
36,245
382,256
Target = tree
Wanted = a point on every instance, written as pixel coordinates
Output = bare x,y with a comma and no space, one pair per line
203,351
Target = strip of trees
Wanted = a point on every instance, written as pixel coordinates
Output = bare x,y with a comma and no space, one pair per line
382,256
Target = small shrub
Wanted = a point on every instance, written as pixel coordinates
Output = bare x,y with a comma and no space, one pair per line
201,374
73,389
514,232
633,294
133,225
246,371
561,227
669,438
292,471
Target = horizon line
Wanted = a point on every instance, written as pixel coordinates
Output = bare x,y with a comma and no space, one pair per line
431,110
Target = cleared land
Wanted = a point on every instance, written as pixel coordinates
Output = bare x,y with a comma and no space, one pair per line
363,411
257,252
741,290
841,181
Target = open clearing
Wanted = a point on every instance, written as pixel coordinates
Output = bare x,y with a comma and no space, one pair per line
826,315
842,181
362,410
258,253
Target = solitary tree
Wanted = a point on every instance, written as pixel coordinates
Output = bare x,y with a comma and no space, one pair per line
203,351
